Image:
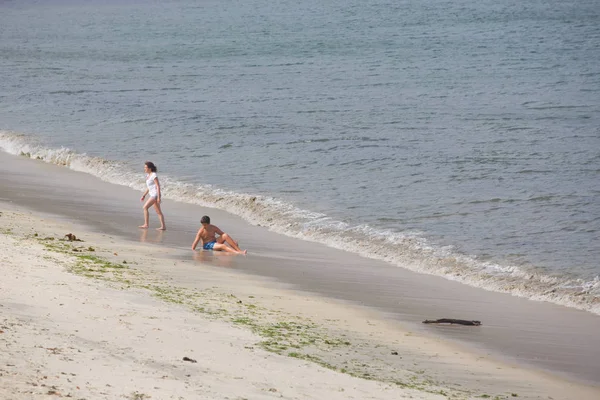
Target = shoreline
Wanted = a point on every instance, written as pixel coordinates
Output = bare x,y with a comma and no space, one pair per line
314,334
531,284
517,331
66,335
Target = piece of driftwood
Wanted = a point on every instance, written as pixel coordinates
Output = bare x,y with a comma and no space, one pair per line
452,321
72,238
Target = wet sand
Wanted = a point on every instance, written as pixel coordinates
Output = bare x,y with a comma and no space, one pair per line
72,326
547,337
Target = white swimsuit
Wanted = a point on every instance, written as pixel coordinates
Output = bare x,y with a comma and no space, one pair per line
151,185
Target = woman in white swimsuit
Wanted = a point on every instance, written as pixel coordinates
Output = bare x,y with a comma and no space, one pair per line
153,189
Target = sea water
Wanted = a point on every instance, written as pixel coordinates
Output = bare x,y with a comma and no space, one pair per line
455,138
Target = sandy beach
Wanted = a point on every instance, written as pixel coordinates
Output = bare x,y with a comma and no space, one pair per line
536,335
387,167
65,335
103,318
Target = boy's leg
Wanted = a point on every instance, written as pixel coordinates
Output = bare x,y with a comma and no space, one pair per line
224,247
226,238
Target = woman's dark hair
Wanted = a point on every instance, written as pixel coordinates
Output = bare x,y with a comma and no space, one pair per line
151,166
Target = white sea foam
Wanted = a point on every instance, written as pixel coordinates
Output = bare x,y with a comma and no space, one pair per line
406,250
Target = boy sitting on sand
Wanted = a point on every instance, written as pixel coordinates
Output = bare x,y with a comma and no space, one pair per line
208,235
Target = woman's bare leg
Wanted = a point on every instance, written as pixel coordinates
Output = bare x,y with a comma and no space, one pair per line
161,217
146,206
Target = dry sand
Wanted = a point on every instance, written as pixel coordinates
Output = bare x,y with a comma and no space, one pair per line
106,322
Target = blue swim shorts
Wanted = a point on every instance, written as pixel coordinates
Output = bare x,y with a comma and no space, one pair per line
209,245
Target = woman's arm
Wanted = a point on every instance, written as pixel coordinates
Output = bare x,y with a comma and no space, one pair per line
144,195
157,190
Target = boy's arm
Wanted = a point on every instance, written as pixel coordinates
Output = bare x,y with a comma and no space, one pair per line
218,231
198,239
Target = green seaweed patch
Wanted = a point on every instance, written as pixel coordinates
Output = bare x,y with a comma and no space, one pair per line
280,336
166,294
290,335
102,263
314,359
88,265
280,333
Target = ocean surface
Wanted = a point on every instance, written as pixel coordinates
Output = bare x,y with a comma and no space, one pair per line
455,138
